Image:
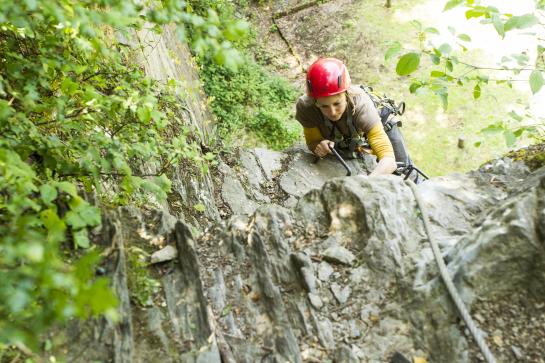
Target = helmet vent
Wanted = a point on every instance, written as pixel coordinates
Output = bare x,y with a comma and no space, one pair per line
339,80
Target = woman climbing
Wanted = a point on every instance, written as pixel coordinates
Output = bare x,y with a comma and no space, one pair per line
336,114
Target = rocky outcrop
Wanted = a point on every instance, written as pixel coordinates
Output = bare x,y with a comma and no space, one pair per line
294,262
339,269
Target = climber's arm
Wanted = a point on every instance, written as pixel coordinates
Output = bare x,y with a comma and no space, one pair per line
314,138
382,147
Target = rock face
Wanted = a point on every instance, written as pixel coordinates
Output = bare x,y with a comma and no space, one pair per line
343,272
298,263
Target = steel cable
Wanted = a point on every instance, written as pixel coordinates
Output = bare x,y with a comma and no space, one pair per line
448,282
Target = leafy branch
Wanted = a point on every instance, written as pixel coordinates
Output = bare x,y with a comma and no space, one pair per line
438,80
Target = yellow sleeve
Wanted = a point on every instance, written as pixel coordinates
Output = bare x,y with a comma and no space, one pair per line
312,136
380,143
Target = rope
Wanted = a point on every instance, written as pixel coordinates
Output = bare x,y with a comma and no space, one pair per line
448,282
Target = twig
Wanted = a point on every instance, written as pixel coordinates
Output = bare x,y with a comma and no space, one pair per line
296,9
110,174
290,48
343,306
225,350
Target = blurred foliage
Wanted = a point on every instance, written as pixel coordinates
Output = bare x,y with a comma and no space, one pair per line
248,101
142,286
75,112
450,68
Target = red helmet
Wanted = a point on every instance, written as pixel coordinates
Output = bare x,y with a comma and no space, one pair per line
327,77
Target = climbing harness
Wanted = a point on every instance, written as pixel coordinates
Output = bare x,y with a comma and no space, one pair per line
448,282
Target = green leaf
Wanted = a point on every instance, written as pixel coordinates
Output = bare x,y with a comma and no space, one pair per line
408,63
452,4
90,215
69,87
518,133
473,13
437,74
435,59
415,86
68,188
449,65
55,226
81,238
5,110
394,48
536,81
48,193
431,30
445,48
444,100
464,37
144,114
74,219
237,30
515,116
521,22
493,129
477,91
498,25
510,138
199,207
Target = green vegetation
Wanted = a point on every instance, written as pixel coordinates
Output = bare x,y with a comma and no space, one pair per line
252,106
431,131
453,68
76,111
142,286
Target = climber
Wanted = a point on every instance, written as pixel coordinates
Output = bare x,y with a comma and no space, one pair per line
336,114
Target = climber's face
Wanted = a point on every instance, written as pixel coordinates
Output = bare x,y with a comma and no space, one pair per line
332,107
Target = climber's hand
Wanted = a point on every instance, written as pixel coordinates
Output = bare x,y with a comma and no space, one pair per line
323,148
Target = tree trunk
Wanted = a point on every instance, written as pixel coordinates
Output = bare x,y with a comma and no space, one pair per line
388,3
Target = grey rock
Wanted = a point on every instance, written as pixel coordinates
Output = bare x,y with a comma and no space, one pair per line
309,279
251,169
341,294
270,161
358,275
343,354
217,291
338,254
167,253
324,330
324,271
355,331
290,202
315,300
234,195
517,352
